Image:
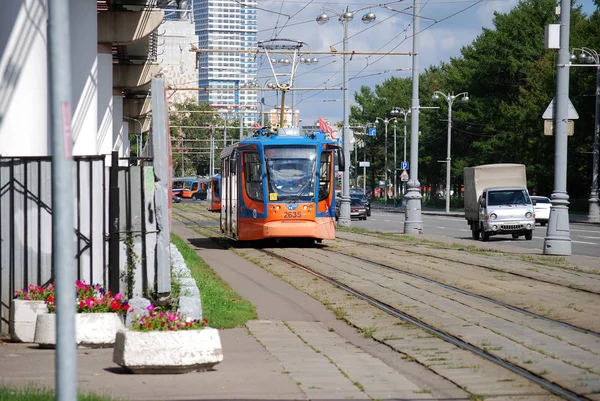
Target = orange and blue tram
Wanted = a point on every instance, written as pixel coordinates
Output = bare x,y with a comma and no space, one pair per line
276,186
215,194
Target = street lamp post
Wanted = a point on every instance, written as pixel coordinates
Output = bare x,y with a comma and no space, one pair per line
591,58
404,113
386,121
450,98
139,140
344,18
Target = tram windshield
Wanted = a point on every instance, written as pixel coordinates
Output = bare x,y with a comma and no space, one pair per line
291,172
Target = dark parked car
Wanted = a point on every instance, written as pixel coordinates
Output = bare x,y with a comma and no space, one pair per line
357,209
364,199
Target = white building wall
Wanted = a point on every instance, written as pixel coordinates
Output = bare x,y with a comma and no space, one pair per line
104,140
120,140
84,72
177,61
24,124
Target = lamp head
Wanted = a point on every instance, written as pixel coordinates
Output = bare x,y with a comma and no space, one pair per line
315,60
435,97
465,98
347,16
572,57
322,19
369,17
582,56
394,112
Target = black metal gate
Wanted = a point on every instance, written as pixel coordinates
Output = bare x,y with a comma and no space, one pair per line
26,234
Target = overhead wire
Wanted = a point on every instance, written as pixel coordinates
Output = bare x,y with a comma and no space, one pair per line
369,62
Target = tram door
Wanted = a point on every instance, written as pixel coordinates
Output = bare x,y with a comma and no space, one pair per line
225,180
233,205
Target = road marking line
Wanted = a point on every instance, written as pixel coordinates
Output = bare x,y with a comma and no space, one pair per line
587,231
583,242
585,236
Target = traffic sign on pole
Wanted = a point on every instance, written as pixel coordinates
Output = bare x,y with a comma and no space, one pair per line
404,165
372,131
404,175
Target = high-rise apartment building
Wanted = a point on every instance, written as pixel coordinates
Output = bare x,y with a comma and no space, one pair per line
227,24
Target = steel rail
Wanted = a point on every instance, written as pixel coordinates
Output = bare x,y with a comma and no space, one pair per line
546,384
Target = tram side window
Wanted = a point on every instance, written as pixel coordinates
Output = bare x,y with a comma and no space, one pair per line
253,176
324,175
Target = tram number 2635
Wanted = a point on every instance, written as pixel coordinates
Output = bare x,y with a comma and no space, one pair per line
292,215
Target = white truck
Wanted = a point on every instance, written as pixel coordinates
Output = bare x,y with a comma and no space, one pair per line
497,201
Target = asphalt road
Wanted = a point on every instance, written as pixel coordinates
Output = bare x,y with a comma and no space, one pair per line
585,238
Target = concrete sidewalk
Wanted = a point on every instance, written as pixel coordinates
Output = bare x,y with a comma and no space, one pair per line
298,350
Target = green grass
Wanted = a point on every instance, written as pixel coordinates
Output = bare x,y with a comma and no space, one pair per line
39,394
221,305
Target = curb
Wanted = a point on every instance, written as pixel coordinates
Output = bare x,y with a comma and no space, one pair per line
572,219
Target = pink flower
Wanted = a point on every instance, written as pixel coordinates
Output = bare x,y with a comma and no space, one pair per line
172,316
31,287
118,297
150,308
80,284
89,302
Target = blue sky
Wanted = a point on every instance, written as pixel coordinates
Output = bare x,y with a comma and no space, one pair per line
446,26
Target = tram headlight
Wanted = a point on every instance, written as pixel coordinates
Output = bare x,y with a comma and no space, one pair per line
493,216
528,215
305,207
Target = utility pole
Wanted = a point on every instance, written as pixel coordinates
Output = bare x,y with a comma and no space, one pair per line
413,222
558,240
59,60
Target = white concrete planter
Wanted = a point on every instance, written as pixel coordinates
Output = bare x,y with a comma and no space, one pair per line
23,315
168,351
94,330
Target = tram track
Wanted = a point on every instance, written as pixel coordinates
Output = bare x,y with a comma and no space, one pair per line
445,335
525,275
386,304
471,294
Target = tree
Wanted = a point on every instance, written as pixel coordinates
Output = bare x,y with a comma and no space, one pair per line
191,126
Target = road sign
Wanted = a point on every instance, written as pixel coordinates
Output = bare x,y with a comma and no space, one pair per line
318,132
404,175
549,128
571,112
364,164
339,141
372,131
404,165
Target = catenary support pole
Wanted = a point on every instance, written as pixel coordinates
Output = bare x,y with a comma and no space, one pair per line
594,209
404,160
385,175
395,172
557,240
413,222
448,157
344,219
62,198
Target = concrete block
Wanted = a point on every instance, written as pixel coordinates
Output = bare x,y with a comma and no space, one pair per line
191,306
168,352
23,316
94,330
137,306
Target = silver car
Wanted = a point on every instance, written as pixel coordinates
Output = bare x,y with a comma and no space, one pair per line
541,207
